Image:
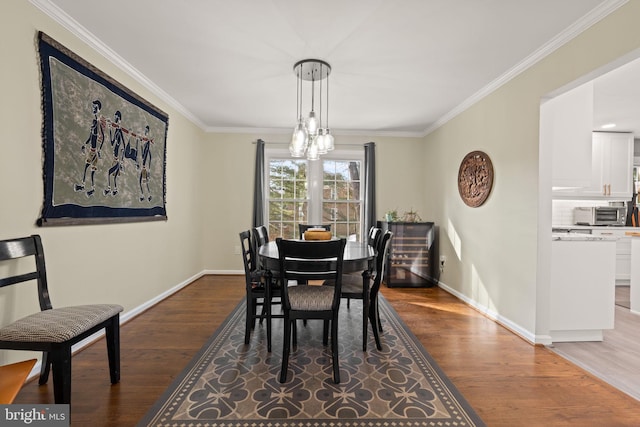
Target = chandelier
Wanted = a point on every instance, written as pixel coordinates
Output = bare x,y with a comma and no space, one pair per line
310,137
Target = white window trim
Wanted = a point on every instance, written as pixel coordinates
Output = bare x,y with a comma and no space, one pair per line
315,215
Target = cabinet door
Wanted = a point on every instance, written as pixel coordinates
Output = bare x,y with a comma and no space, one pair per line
619,165
623,250
611,167
597,188
567,121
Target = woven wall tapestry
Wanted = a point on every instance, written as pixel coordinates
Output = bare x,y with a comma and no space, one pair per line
104,146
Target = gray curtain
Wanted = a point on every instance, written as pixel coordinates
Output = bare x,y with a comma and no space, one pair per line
369,186
258,186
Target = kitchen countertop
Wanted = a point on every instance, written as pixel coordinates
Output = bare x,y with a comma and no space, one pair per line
583,232
581,237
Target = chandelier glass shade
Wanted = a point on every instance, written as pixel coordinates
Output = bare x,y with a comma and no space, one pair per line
311,135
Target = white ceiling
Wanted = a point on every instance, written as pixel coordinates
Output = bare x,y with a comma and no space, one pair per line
399,67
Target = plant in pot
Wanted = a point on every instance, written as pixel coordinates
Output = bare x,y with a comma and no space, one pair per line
391,215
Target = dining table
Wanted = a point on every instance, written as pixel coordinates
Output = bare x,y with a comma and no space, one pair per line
358,257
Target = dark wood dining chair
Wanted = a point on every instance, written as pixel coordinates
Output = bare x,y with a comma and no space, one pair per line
55,331
259,237
365,287
375,233
317,260
261,290
378,278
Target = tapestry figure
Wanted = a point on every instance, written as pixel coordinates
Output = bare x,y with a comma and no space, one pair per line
96,135
116,138
132,153
146,165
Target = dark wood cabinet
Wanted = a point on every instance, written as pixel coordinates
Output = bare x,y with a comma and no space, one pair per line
413,254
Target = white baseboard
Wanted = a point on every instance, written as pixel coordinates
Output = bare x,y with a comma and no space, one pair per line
496,317
128,315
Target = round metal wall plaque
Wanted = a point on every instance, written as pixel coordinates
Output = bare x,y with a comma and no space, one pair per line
475,178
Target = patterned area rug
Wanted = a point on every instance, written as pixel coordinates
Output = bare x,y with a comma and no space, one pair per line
230,384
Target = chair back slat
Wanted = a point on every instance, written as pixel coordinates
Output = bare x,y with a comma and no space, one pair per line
312,260
17,248
23,247
12,280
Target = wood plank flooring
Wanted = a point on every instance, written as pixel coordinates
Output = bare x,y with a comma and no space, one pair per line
508,381
616,359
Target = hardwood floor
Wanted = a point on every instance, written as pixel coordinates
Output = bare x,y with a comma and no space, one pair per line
616,359
508,381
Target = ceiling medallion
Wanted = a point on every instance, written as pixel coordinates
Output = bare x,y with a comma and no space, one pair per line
475,178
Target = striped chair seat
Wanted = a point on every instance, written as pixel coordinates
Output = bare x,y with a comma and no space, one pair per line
59,324
311,298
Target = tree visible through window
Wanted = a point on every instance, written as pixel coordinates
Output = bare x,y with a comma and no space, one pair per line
327,191
341,204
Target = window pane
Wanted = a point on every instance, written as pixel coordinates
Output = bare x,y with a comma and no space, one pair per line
287,200
354,212
336,198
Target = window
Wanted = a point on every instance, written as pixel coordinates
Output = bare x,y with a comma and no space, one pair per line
326,191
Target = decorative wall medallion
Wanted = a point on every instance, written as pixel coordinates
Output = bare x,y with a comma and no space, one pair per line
475,178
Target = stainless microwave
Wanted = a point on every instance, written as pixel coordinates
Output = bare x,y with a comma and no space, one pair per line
600,215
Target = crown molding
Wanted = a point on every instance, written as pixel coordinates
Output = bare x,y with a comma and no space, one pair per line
590,19
62,18
597,14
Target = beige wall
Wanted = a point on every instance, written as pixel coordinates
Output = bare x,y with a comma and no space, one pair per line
230,164
128,264
502,269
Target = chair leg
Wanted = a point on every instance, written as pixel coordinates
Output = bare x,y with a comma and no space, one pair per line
267,310
61,366
325,332
112,334
334,348
365,325
365,309
375,320
286,347
294,332
45,367
248,320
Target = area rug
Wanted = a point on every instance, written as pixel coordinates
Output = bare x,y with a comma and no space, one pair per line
230,384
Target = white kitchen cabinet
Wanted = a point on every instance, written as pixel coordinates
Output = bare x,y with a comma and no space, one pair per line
582,289
612,166
566,121
623,251
611,169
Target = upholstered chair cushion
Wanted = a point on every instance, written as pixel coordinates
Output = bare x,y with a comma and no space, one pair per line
59,324
311,298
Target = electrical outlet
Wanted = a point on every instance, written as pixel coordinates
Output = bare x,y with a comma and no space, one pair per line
443,260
